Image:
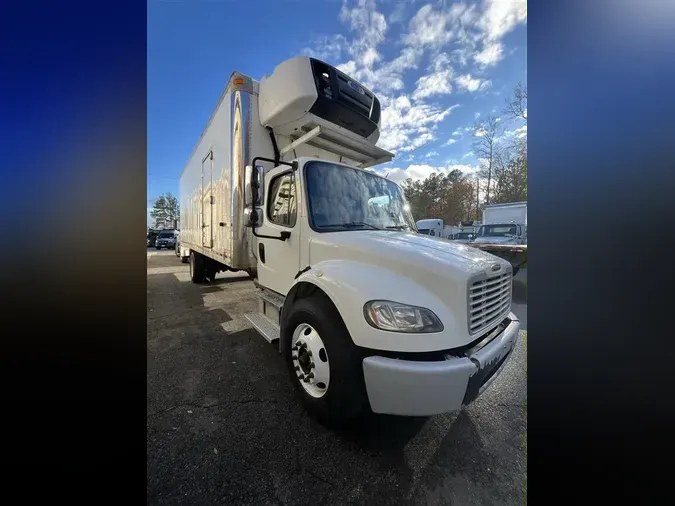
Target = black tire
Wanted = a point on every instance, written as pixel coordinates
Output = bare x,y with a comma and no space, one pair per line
210,270
345,398
196,267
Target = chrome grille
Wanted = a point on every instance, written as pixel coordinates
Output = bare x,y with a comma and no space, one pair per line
489,301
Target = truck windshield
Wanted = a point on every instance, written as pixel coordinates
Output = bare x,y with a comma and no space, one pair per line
166,235
343,198
497,231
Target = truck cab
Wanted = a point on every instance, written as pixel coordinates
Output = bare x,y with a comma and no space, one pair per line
432,227
502,233
362,304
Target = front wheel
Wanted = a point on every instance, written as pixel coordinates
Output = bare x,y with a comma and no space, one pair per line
323,362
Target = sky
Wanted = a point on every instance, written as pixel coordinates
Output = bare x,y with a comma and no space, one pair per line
436,67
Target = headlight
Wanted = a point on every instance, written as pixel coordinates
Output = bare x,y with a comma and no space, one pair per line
397,317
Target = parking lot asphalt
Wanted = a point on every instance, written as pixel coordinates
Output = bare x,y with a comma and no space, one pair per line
223,425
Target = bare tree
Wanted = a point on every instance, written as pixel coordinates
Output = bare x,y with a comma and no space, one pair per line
485,147
510,178
516,104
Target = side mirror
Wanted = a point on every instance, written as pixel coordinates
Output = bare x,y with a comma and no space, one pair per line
254,197
255,177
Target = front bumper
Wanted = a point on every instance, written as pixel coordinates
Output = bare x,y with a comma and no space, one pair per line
412,388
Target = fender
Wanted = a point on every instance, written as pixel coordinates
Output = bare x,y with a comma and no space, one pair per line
350,284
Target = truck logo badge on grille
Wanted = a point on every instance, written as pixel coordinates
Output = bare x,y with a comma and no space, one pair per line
495,267
356,88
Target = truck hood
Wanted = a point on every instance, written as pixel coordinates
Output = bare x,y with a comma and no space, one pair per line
401,249
427,271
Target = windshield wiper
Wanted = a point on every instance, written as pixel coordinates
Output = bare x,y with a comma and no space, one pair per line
351,224
397,227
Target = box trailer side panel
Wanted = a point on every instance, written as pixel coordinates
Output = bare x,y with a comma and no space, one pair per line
507,213
212,183
204,187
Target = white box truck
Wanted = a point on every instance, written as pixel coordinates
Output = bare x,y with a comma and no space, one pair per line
512,212
504,233
366,313
431,226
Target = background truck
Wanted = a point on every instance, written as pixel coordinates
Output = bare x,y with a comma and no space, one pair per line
504,233
166,239
513,212
432,226
366,313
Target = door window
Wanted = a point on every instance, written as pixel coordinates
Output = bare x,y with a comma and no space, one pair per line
281,206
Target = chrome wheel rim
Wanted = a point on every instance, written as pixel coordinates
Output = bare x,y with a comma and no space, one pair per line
310,360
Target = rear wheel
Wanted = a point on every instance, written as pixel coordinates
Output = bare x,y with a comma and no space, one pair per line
210,269
323,362
196,267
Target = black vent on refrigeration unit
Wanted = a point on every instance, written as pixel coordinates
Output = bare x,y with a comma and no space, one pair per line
343,101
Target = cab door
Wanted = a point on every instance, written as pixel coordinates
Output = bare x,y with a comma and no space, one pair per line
278,260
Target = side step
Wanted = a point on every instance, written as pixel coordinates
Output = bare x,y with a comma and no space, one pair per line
273,299
266,327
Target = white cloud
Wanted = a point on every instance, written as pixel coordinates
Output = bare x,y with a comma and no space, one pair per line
371,27
491,54
431,154
398,16
450,141
327,48
472,84
502,16
467,169
388,77
422,171
370,56
405,126
467,155
427,27
438,83
518,133
457,133
434,28
440,62
460,55
348,68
